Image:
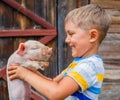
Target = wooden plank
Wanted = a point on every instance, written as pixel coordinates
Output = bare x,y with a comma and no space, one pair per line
110,48
21,21
29,14
107,4
80,3
3,90
3,73
29,4
113,12
6,48
46,9
114,30
111,84
110,91
47,39
28,32
112,75
6,16
110,66
64,56
115,19
49,11
112,72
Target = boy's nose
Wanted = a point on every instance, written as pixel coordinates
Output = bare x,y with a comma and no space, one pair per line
67,40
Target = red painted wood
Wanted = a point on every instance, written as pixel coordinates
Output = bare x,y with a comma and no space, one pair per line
48,34
29,14
36,96
28,32
46,39
3,73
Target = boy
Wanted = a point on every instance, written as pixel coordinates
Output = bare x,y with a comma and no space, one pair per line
86,27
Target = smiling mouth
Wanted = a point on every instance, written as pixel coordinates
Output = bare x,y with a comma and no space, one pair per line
72,48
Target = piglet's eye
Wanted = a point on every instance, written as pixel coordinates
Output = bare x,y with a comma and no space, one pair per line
34,48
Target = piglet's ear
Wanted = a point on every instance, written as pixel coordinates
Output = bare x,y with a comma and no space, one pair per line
21,49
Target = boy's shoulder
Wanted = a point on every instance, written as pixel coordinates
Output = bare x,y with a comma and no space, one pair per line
87,59
93,62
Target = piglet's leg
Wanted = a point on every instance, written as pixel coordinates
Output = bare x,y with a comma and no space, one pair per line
27,91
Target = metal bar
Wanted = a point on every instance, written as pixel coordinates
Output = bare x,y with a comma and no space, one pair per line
28,32
29,14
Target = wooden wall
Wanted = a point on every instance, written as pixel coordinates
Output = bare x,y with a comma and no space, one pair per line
54,11
12,19
110,51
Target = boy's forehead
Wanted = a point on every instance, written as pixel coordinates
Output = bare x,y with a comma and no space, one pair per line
69,26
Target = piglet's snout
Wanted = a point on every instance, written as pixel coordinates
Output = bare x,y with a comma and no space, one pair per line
47,52
50,51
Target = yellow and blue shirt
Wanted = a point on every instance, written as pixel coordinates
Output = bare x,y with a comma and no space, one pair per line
88,72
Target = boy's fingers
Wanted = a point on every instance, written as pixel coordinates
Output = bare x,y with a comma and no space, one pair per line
12,68
11,72
13,64
12,77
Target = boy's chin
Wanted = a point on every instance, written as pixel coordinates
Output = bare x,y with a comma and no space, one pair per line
74,55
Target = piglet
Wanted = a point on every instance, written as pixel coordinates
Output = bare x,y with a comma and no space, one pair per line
31,53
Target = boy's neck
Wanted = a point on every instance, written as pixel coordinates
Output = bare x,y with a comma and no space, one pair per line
93,50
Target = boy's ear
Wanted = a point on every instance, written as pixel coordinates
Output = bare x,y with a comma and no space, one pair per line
93,35
21,49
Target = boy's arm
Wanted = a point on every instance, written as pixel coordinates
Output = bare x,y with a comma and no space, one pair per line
58,89
53,90
56,79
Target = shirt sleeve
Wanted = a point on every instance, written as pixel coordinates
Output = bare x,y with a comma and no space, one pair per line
64,72
84,74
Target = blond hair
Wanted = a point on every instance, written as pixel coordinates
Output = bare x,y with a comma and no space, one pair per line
89,17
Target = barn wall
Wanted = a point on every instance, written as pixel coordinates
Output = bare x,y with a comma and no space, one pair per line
12,19
54,11
110,51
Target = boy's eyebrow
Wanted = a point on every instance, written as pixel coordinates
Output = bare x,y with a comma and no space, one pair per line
70,31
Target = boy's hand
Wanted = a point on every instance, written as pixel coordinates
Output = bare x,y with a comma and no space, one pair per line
16,71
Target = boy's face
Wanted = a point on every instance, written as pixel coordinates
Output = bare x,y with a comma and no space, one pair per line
77,39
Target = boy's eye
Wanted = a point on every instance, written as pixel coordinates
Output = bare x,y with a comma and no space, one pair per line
71,34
